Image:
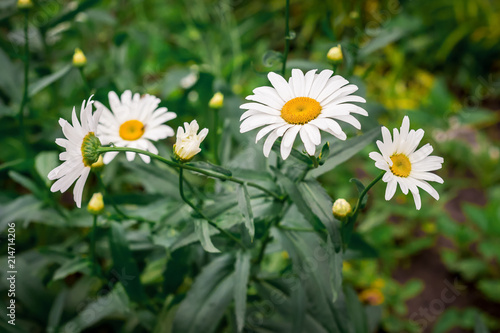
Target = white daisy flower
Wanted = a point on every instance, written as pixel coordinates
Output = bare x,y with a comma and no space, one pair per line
188,141
406,166
134,122
303,105
81,145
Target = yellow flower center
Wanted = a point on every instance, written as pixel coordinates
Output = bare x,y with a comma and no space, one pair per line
131,130
300,110
401,165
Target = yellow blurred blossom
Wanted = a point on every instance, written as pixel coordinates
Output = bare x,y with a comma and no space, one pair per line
79,59
217,101
96,204
24,4
372,296
335,54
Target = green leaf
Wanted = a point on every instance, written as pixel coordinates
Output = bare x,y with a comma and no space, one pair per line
56,311
125,267
359,248
201,228
321,204
71,267
360,187
480,326
116,305
335,263
491,288
411,289
26,183
211,167
246,209
241,274
299,301
25,208
208,298
293,191
344,150
325,152
48,80
356,311
44,163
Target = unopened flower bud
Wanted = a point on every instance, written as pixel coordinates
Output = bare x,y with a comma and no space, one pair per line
188,141
96,204
217,101
341,208
79,59
24,4
335,54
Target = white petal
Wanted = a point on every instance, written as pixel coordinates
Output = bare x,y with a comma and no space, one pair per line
268,144
281,86
78,189
320,83
308,144
390,189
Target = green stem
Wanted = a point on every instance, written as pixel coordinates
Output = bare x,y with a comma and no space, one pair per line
92,245
287,37
191,168
214,135
362,196
85,83
115,206
26,69
199,212
283,227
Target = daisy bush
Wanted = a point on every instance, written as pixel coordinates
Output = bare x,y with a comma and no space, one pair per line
217,178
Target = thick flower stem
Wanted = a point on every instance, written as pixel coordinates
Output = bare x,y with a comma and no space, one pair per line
191,168
26,69
287,37
199,212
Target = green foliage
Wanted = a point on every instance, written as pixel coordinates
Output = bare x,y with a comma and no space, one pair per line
160,265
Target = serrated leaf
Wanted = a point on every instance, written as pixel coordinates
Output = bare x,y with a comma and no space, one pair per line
246,209
48,80
212,167
201,229
241,274
209,296
125,267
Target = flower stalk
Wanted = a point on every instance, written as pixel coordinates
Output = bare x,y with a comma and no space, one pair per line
191,168
199,212
287,37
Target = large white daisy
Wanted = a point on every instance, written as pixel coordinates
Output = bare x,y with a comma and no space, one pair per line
80,144
134,121
406,166
303,105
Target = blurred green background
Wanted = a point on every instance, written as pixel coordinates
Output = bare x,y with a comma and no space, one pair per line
437,61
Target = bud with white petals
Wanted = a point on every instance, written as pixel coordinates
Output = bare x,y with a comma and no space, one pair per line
188,141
